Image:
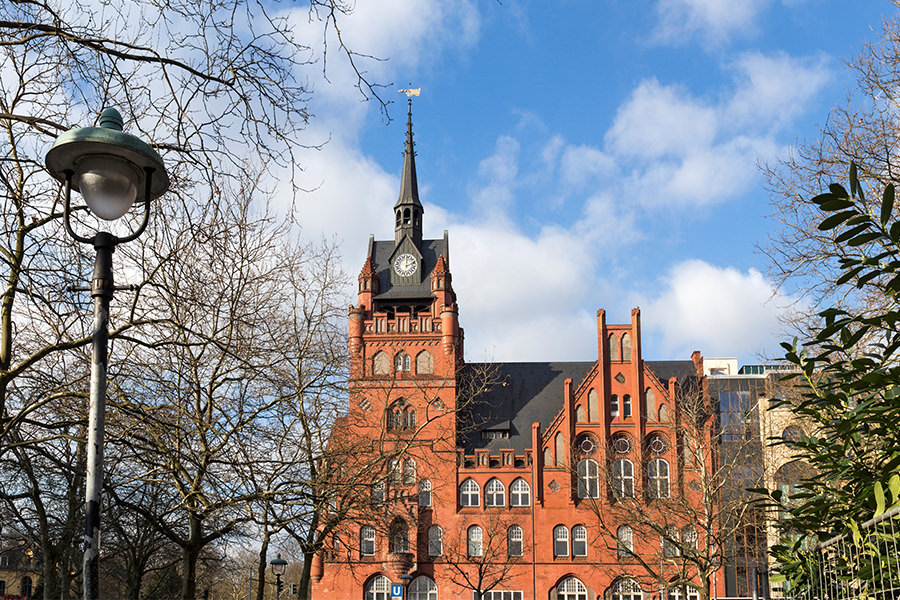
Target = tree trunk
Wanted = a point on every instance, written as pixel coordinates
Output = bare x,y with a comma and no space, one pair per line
261,567
190,555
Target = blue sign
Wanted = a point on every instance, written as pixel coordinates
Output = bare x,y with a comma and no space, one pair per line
397,590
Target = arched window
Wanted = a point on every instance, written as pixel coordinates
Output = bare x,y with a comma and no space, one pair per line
675,593
401,362
424,363
406,216
435,541
671,540
626,589
422,588
580,416
623,478
626,406
689,539
626,347
378,588
401,416
378,492
613,406
494,493
425,493
571,588
409,471
381,364
514,536
593,406
367,540
650,399
474,541
394,471
579,540
520,493
614,351
791,435
588,478
560,541
625,541
663,414
469,493
658,478
399,536
548,457
560,450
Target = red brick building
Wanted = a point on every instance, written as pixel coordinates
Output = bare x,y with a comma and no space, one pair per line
508,477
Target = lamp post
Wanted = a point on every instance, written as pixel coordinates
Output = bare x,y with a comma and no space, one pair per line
278,567
112,170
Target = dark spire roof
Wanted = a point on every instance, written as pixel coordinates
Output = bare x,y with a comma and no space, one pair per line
409,187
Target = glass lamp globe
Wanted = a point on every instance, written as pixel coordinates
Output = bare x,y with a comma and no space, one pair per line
278,565
108,185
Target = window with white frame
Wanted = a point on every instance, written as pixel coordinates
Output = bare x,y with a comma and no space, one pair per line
514,538
579,540
378,492
689,539
425,493
588,478
498,595
378,588
658,478
625,541
402,362
623,478
422,588
474,541
626,589
367,540
469,493
435,541
494,493
626,406
671,539
560,541
520,493
613,406
676,593
409,471
399,536
571,588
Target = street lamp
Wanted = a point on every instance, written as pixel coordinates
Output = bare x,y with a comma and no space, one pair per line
112,170
278,567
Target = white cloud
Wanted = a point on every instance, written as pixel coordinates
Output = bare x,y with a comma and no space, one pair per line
712,20
719,311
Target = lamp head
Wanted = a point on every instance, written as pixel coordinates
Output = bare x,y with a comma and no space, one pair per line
107,166
278,565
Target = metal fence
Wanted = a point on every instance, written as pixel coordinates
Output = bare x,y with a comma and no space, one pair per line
863,566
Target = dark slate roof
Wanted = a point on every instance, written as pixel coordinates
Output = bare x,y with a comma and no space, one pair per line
526,393
381,255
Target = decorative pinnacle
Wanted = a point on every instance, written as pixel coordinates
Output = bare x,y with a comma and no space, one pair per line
111,119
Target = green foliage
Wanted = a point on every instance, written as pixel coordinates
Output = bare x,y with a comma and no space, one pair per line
851,371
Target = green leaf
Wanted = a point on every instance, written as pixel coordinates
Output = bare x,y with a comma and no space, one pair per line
887,204
854,182
838,190
835,204
835,220
879,499
894,486
777,577
895,232
864,239
850,233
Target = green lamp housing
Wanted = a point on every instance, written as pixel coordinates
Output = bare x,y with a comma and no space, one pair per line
278,565
110,168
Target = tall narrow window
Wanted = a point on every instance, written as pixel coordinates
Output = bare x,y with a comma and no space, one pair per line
409,471
560,541
494,493
435,541
469,493
514,541
425,493
626,347
670,542
689,539
580,415
593,406
624,541
520,493
658,478
626,406
613,406
367,540
615,353
623,478
402,362
399,536
474,541
588,478
579,540
560,450
378,492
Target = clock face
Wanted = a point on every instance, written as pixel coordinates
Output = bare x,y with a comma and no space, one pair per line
405,265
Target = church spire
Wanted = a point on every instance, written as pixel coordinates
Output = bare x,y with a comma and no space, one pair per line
408,210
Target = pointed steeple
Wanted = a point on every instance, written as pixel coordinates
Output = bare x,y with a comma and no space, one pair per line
408,210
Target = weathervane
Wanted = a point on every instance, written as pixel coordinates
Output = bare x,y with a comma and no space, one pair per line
410,92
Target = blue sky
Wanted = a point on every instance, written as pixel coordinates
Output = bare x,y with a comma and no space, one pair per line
584,154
